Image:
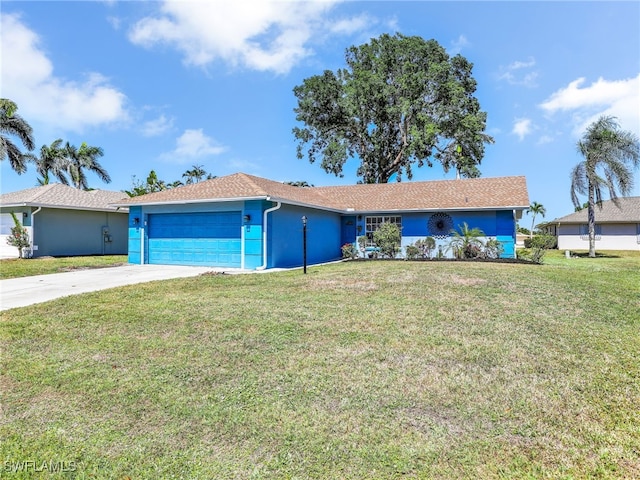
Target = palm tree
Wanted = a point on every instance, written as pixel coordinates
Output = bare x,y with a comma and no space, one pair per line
83,158
536,209
194,175
53,160
610,155
466,243
13,124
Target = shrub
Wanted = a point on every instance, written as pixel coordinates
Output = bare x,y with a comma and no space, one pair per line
349,250
537,246
426,246
493,248
541,241
362,243
19,237
387,239
412,252
466,243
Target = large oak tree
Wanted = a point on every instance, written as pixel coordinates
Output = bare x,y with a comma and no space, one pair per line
401,101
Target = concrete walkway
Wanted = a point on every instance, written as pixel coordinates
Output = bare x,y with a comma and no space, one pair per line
21,292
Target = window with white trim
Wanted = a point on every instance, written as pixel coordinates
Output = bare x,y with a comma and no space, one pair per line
584,232
373,223
638,232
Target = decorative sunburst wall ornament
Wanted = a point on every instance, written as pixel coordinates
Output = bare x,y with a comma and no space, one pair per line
440,225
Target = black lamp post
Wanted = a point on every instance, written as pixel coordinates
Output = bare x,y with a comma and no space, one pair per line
304,243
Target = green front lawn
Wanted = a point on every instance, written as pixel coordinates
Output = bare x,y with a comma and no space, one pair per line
20,267
355,370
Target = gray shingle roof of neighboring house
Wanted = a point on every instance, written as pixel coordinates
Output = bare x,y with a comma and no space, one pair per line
463,194
627,211
56,195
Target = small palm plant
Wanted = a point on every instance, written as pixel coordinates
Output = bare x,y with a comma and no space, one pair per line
426,246
467,242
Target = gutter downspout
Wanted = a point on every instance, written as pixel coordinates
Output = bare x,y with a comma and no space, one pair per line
264,235
33,228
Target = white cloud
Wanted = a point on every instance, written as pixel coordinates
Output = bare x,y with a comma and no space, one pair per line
458,45
28,79
193,145
520,73
156,127
522,127
618,98
351,25
267,35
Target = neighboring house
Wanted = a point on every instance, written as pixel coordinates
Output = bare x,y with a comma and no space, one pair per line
247,222
617,227
65,221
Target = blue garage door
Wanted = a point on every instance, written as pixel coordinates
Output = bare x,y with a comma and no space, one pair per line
210,239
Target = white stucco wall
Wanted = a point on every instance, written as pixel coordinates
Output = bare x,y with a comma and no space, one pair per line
614,236
6,223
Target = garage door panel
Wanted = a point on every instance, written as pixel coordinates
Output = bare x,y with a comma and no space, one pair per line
211,239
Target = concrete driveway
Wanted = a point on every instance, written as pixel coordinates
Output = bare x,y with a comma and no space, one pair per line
21,292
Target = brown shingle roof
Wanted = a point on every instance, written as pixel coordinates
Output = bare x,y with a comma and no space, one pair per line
56,195
477,193
628,211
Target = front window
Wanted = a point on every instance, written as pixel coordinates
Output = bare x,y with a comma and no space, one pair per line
373,223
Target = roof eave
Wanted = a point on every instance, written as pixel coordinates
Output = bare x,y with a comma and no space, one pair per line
439,209
62,207
190,201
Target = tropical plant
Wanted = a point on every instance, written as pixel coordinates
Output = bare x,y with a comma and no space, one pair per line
493,248
412,252
387,238
349,250
426,246
19,237
299,183
13,124
401,101
152,184
52,162
536,247
194,175
81,159
610,156
535,209
467,242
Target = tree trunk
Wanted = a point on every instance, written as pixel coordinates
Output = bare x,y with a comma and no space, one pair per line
592,223
533,222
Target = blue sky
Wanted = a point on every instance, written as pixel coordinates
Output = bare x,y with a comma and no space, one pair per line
168,85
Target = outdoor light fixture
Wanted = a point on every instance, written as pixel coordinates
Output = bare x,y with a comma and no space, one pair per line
246,218
136,221
25,214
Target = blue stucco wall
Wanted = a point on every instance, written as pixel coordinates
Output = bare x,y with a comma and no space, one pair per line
135,234
285,242
499,224
326,231
252,231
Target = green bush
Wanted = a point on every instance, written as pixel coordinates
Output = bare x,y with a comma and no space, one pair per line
387,239
536,247
412,252
493,248
426,246
541,241
349,250
19,237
